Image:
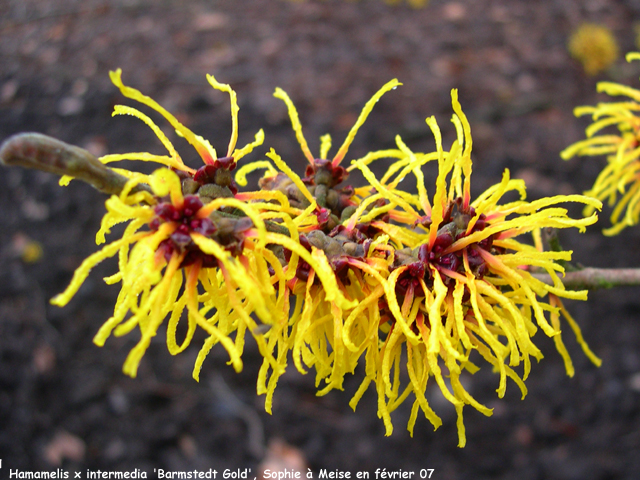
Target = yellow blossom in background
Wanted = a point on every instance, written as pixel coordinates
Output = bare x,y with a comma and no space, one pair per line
412,3
29,251
619,181
594,46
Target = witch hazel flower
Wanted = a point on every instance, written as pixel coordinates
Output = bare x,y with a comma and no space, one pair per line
315,255
181,240
619,181
424,284
460,286
416,286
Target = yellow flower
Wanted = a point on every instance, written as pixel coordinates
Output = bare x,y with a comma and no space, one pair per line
459,282
619,181
171,247
594,46
404,278
414,285
189,245
327,288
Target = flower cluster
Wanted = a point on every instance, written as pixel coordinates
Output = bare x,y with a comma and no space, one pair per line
415,286
619,181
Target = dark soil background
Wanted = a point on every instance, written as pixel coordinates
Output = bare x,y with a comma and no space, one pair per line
65,402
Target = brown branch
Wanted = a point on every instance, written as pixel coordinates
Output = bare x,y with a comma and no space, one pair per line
41,152
594,278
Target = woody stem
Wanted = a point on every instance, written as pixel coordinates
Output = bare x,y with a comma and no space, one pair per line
595,278
41,152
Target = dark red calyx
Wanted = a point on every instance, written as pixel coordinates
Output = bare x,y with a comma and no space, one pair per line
381,202
340,230
421,261
227,163
445,238
474,257
369,230
304,241
340,266
353,243
323,215
424,221
347,191
450,261
167,212
486,243
170,213
454,226
205,174
480,224
180,239
187,223
218,173
192,256
303,270
405,283
357,235
382,304
460,216
353,235
167,248
452,231
230,231
155,224
416,269
423,253
191,205
451,210
344,199
323,172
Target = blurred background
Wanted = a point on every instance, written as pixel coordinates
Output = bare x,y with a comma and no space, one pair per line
65,403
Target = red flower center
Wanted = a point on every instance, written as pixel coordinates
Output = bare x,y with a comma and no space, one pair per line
180,241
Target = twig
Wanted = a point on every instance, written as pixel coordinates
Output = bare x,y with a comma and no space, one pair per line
41,152
594,278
